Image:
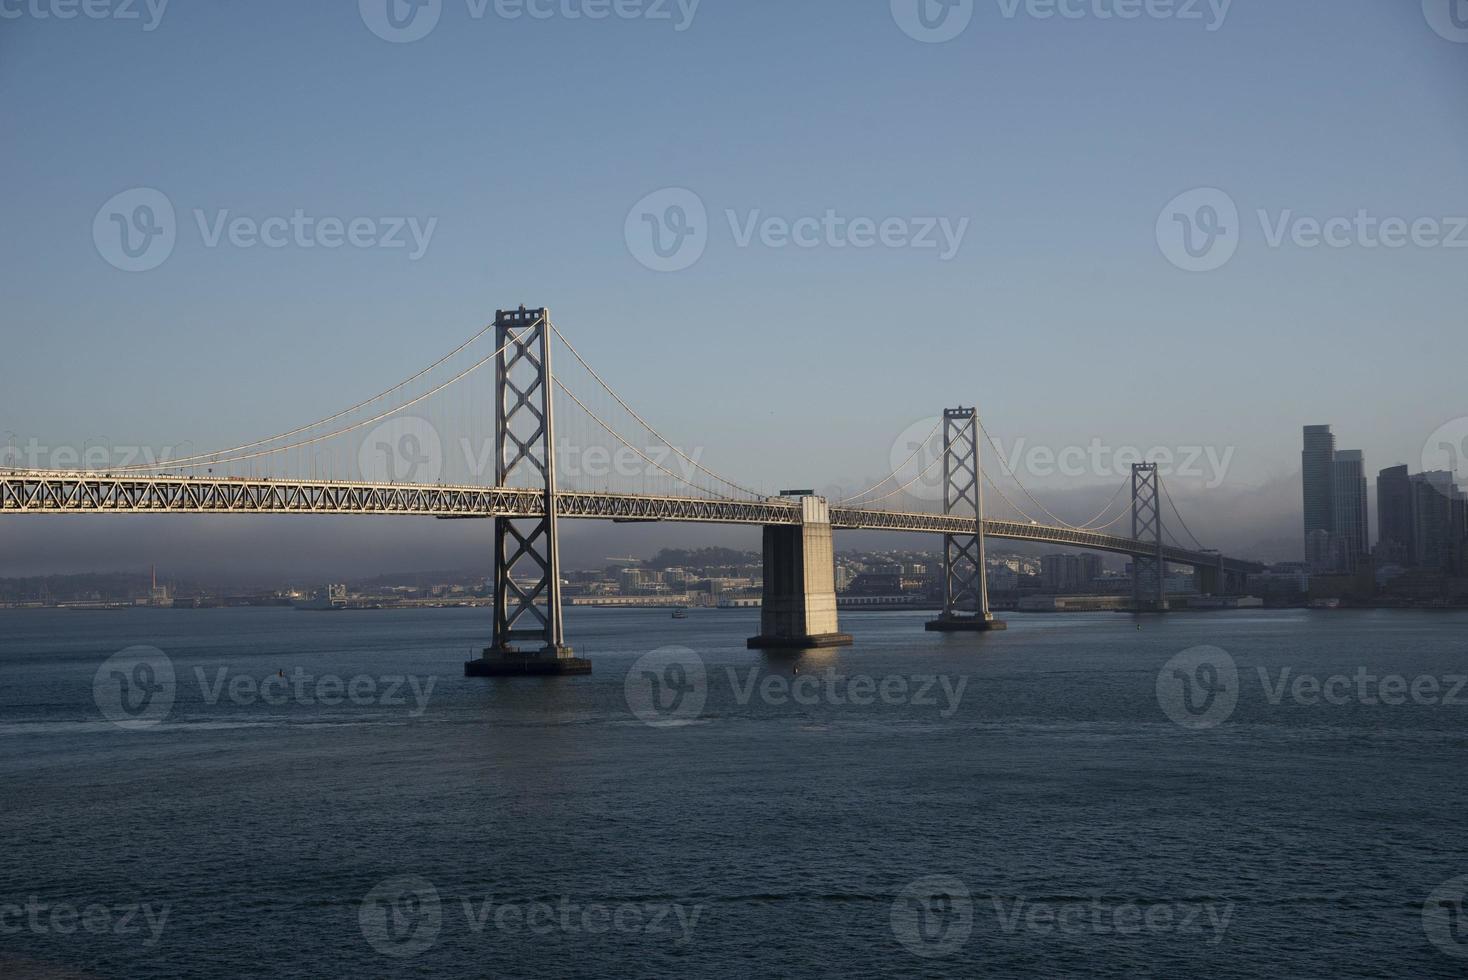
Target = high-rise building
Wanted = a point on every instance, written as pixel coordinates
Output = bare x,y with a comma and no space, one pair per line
1088,569
1394,517
1348,510
1436,520
1317,465
1069,573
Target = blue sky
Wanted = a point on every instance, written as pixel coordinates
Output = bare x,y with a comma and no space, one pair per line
1059,141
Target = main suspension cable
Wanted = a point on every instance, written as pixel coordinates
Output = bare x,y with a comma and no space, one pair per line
214,459
633,412
207,457
615,435
909,483
893,475
1179,516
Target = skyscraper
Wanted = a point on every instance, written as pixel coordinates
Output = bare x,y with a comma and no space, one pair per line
1394,517
1317,465
1348,509
1434,520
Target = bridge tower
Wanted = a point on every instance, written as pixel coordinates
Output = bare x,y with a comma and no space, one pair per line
965,581
527,560
1149,573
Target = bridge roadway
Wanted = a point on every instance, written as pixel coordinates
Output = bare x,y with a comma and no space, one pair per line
86,493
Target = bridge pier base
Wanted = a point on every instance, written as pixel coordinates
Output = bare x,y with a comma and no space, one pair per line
965,624
799,607
550,662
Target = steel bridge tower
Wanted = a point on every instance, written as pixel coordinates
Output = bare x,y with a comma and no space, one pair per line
1149,572
527,560
965,581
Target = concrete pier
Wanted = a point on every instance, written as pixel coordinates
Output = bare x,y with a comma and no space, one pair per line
799,610
550,662
966,624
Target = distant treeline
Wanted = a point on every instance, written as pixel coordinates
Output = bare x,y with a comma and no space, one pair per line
701,558
62,588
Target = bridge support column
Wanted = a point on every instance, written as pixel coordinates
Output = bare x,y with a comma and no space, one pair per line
799,607
1149,572
965,579
527,558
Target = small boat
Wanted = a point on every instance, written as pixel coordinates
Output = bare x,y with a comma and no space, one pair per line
680,614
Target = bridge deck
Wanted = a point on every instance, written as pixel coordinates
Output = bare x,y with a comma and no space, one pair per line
78,493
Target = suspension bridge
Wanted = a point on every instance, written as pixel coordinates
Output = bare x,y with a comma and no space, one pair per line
386,456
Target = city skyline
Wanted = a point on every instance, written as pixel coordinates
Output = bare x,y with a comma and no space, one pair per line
707,488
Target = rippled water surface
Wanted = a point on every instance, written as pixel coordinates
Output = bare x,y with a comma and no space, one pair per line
1019,804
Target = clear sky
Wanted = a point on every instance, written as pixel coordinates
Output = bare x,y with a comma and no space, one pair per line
1054,143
